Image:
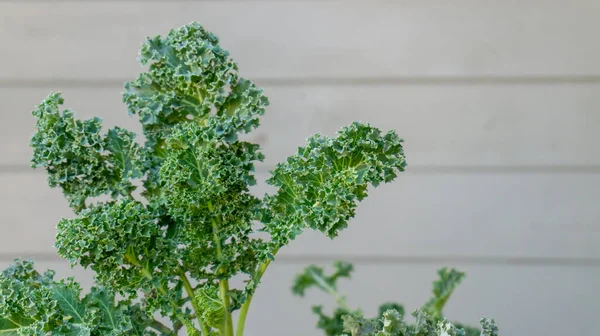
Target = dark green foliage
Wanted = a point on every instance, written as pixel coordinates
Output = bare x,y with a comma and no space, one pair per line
171,247
80,160
320,186
36,304
121,242
331,325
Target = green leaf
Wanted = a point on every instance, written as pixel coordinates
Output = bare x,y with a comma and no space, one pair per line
320,186
26,299
331,325
11,326
101,299
448,280
357,325
489,327
122,232
76,330
390,306
445,328
212,308
78,159
392,324
314,276
67,297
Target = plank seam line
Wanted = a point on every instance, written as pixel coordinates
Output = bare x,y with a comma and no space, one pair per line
415,169
297,259
145,1
17,83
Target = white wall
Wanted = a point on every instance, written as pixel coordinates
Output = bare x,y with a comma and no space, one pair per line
497,101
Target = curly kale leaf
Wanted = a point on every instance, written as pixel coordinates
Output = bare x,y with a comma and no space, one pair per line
188,75
489,327
80,160
442,289
211,306
36,304
314,276
320,186
331,325
193,105
206,181
391,324
390,306
27,302
121,242
190,79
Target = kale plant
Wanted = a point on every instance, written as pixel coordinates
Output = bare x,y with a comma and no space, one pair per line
167,221
345,319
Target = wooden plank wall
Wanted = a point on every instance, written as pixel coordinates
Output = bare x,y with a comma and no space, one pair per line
497,101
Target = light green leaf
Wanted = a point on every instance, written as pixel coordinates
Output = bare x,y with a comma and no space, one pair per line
314,276
76,330
105,303
448,280
67,297
212,309
11,326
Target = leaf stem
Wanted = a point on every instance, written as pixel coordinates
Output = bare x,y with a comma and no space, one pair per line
223,283
190,292
224,289
131,257
241,323
161,327
340,300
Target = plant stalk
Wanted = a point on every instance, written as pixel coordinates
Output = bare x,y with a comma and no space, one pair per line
241,323
190,292
223,283
224,289
340,300
130,256
154,324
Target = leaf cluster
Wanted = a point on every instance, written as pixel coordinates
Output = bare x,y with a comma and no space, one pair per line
343,315
392,324
35,304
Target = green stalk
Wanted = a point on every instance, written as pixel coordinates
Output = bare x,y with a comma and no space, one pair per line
241,324
190,292
130,256
224,283
224,289
154,324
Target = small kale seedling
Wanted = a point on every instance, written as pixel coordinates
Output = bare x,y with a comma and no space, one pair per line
336,324
164,250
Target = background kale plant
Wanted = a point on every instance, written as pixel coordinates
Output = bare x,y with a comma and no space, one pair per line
335,324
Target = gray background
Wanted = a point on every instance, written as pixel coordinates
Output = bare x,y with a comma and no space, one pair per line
497,101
